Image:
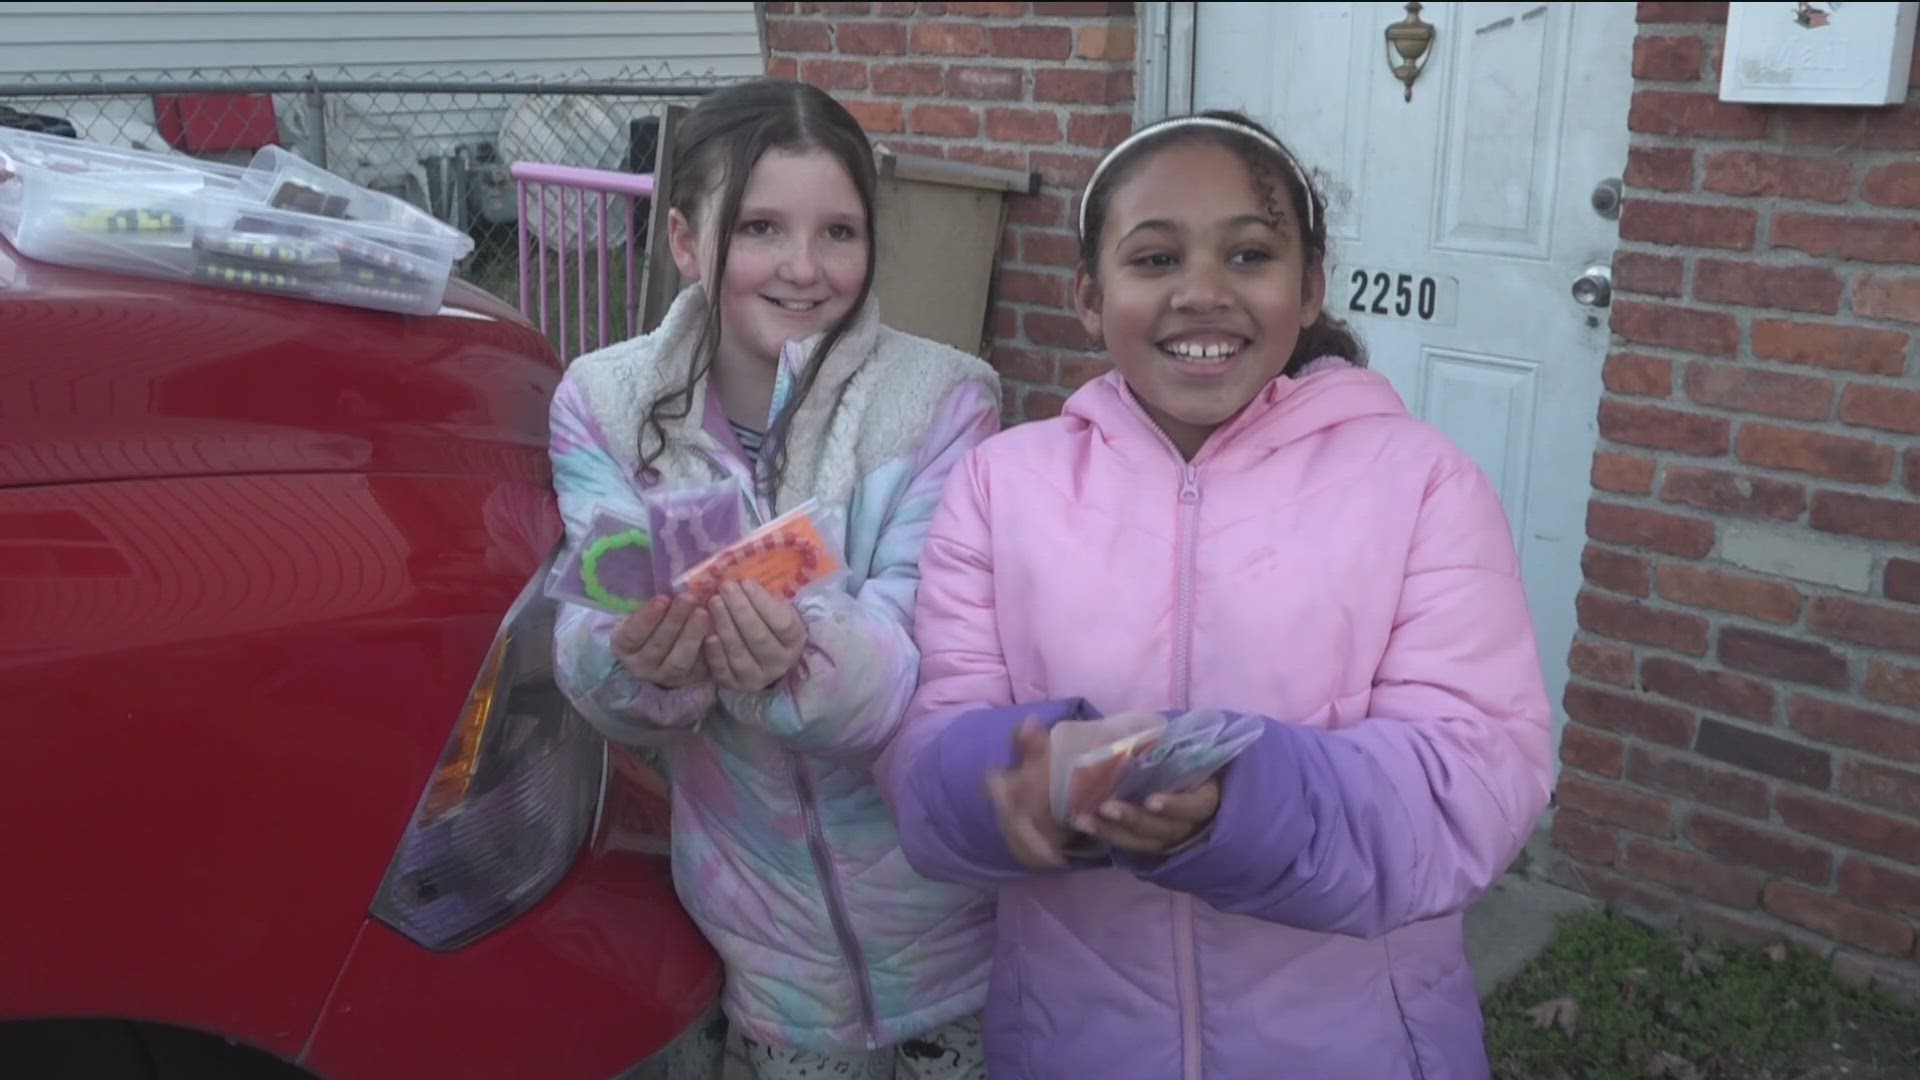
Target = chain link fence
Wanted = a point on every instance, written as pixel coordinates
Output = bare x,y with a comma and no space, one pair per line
441,140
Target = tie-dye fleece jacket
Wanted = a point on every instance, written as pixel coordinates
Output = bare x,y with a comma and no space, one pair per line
783,850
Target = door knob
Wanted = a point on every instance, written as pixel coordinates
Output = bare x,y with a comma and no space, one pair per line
1594,287
1606,198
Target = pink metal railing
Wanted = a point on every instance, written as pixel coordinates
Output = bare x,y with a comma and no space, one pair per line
575,187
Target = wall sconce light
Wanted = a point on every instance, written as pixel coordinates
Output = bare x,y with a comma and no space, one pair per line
1409,39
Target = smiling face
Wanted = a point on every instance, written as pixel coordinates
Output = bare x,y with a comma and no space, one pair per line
796,259
1201,289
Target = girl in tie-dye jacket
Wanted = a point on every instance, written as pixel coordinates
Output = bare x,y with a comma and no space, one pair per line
839,955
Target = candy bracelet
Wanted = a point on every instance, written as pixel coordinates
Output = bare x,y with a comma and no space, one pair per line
590,566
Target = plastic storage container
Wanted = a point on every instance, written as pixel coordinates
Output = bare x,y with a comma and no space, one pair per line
280,225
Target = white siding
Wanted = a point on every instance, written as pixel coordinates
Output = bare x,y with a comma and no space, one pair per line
531,39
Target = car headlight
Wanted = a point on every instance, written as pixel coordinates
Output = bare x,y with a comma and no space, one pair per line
510,802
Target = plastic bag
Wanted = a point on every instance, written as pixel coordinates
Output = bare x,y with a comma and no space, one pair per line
788,556
620,563
1130,756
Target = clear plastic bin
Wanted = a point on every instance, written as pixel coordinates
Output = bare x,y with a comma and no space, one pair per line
280,225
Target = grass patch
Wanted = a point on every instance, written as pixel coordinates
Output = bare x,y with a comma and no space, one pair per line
1612,999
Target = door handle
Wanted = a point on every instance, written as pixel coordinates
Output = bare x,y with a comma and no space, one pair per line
1594,287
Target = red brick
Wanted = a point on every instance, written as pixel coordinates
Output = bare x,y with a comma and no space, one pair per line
1032,287
1888,296
1822,127
799,35
1814,289
1760,752
1669,326
1628,474
1912,470
1779,657
1006,323
1064,169
1896,185
1693,113
1687,776
1098,130
830,74
1077,86
1754,932
1660,168
1043,248
1650,275
1032,127
1751,173
1760,847
1616,805
1880,886
870,38
1902,581
1839,920
783,67
1024,366
1866,516
987,11
1686,224
949,39
1638,374
1846,725
1889,408
1046,210
1601,662
1738,494
1632,526
1668,59
1863,623
1042,404
1881,785
878,117
1741,594
1616,571
1867,239
779,7
1584,748
1111,10
1688,13
1768,393
1692,873
944,121
1629,714
1030,42
1058,331
1869,831
1892,129
1105,43
1588,841
908,80
1622,894
985,83
1836,457
1658,428
1718,691
1893,685
1841,348
842,10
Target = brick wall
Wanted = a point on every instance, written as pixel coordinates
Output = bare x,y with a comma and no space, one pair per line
1023,86
1744,745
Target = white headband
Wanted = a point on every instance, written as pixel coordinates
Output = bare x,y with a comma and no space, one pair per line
1299,174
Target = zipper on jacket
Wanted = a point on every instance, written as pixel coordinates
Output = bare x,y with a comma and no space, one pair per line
836,903
1187,532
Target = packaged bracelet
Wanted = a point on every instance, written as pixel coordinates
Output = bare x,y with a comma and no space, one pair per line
610,567
786,557
268,248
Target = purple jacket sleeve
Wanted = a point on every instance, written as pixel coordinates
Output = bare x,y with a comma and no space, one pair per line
1413,812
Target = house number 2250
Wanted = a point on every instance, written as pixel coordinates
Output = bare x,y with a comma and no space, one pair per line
1424,297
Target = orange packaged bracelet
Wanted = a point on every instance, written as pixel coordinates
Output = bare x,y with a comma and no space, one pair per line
785,556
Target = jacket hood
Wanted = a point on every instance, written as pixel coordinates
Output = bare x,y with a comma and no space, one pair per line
1284,411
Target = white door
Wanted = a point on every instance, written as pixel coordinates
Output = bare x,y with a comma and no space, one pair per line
1460,221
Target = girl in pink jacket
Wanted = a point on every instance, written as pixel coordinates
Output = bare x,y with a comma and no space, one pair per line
1238,517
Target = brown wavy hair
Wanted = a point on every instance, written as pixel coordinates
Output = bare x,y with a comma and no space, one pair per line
1274,173
719,142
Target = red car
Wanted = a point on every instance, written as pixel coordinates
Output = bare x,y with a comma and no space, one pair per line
286,787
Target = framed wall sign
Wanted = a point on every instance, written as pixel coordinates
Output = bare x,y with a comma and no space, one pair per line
1848,52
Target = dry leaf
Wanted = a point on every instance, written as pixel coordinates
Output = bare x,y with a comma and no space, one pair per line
1563,1013
1777,952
